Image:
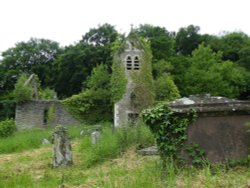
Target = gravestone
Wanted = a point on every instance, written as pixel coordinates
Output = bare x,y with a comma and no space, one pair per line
95,137
62,152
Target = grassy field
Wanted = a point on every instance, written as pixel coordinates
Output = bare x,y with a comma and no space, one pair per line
112,163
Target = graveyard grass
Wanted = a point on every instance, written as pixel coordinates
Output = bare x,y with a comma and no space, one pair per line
113,162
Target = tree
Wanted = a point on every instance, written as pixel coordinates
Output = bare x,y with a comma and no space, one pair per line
77,61
244,57
165,88
161,41
232,44
35,56
94,103
187,39
22,91
180,64
208,73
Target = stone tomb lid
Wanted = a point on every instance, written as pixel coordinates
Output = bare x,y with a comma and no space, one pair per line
207,103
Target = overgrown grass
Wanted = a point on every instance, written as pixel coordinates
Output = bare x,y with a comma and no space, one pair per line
23,140
127,171
32,138
112,145
112,162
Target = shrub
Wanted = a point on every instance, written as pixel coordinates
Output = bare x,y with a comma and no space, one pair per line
166,89
22,92
7,127
47,93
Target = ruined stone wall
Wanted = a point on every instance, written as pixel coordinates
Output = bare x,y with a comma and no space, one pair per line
33,114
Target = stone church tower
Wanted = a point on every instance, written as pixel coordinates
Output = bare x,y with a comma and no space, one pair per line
134,59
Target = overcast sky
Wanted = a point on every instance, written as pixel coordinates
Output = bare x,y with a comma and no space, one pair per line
65,21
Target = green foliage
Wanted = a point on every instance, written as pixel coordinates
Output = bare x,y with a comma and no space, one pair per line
166,89
7,109
47,93
51,114
77,61
23,140
7,128
144,90
90,106
113,145
22,92
99,79
34,56
187,39
209,74
118,81
161,41
232,44
93,104
169,129
196,154
161,67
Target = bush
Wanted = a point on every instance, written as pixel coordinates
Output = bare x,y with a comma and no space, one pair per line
22,92
7,128
47,93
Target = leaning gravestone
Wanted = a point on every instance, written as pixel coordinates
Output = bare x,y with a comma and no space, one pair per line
62,152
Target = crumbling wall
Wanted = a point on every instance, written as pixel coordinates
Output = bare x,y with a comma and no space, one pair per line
34,113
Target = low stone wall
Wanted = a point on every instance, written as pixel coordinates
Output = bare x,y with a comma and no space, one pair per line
34,114
220,128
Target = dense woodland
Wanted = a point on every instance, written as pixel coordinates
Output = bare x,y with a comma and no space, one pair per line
184,63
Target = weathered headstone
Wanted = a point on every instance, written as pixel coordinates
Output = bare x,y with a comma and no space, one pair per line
45,141
62,152
95,137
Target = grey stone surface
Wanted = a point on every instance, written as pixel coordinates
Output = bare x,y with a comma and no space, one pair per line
220,128
126,111
62,152
95,137
148,151
45,141
32,114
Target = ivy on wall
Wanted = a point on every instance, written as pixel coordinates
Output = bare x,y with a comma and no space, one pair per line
143,79
169,129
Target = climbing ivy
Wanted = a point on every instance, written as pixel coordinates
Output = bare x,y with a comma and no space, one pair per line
118,80
169,128
143,79
196,154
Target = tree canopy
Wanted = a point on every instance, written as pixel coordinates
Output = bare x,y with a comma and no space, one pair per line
183,63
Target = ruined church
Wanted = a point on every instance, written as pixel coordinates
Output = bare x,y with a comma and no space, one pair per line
134,60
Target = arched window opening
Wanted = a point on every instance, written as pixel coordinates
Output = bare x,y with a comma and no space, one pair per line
136,63
129,63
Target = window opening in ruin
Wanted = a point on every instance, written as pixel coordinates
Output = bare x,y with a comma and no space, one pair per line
45,116
136,63
129,63
132,117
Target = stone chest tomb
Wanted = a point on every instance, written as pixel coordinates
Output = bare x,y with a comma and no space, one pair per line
220,128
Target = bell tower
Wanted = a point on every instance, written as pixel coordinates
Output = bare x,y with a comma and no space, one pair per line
135,62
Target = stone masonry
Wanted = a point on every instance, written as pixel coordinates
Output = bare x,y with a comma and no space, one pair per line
33,114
